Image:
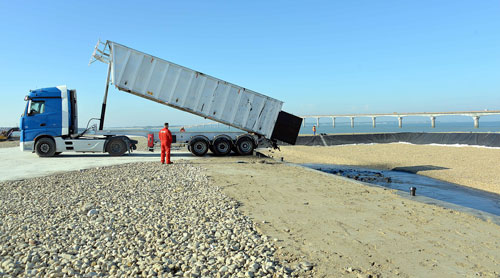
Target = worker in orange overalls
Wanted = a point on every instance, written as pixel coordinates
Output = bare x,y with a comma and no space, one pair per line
166,142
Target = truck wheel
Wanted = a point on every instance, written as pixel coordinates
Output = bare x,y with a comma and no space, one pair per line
221,146
198,146
116,147
45,147
245,145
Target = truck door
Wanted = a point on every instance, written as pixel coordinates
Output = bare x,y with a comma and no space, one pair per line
35,120
43,117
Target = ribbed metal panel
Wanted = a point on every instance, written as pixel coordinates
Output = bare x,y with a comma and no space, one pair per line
192,91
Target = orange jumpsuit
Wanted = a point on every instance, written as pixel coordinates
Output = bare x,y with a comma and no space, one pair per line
166,143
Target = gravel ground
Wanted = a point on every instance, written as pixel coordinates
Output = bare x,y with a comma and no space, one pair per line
142,219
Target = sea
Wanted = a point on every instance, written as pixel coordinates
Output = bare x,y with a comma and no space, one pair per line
340,128
392,127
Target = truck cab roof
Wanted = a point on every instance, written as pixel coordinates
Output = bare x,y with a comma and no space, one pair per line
45,92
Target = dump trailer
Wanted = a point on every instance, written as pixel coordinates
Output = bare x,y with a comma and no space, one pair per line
189,90
49,124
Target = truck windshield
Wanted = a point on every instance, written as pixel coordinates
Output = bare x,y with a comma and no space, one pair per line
36,107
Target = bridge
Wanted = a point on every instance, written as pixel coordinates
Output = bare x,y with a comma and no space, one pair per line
432,115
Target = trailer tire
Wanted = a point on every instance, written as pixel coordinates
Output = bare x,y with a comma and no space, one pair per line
221,145
116,147
45,147
198,146
245,145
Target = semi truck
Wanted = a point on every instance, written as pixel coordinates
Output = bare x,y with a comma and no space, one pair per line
49,124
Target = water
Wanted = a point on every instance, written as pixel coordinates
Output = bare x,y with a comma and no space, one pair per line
340,128
392,126
429,187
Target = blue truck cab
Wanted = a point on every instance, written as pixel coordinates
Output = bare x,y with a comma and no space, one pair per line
49,126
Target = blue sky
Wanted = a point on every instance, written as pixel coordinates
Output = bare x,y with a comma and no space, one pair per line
319,57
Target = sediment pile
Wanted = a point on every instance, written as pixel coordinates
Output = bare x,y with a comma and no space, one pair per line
142,219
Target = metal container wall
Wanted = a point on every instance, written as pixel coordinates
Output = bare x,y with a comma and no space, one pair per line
192,91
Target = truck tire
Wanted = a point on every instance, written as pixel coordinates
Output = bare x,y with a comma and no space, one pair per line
45,147
245,145
221,145
198,146
116,147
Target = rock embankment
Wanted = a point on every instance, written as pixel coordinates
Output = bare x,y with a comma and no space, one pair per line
143,219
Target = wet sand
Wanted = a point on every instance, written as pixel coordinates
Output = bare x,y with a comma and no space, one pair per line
474,167
348,229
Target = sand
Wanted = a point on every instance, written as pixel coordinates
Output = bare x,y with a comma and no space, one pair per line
349,229
475,167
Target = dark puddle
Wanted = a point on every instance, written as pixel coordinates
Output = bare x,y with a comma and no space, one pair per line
425,186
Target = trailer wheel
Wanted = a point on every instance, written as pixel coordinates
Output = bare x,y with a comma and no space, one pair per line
198,146
221,146
116,147
245,145
45,147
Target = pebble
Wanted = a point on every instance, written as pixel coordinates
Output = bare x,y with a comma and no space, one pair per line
306,265
92,212
140,219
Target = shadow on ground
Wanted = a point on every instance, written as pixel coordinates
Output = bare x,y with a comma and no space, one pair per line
416,169
103,155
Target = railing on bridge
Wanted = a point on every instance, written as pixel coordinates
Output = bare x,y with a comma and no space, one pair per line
432,115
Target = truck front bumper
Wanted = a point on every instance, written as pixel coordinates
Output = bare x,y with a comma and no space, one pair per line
26,146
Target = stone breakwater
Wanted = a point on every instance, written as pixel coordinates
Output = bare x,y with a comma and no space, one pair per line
143,219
